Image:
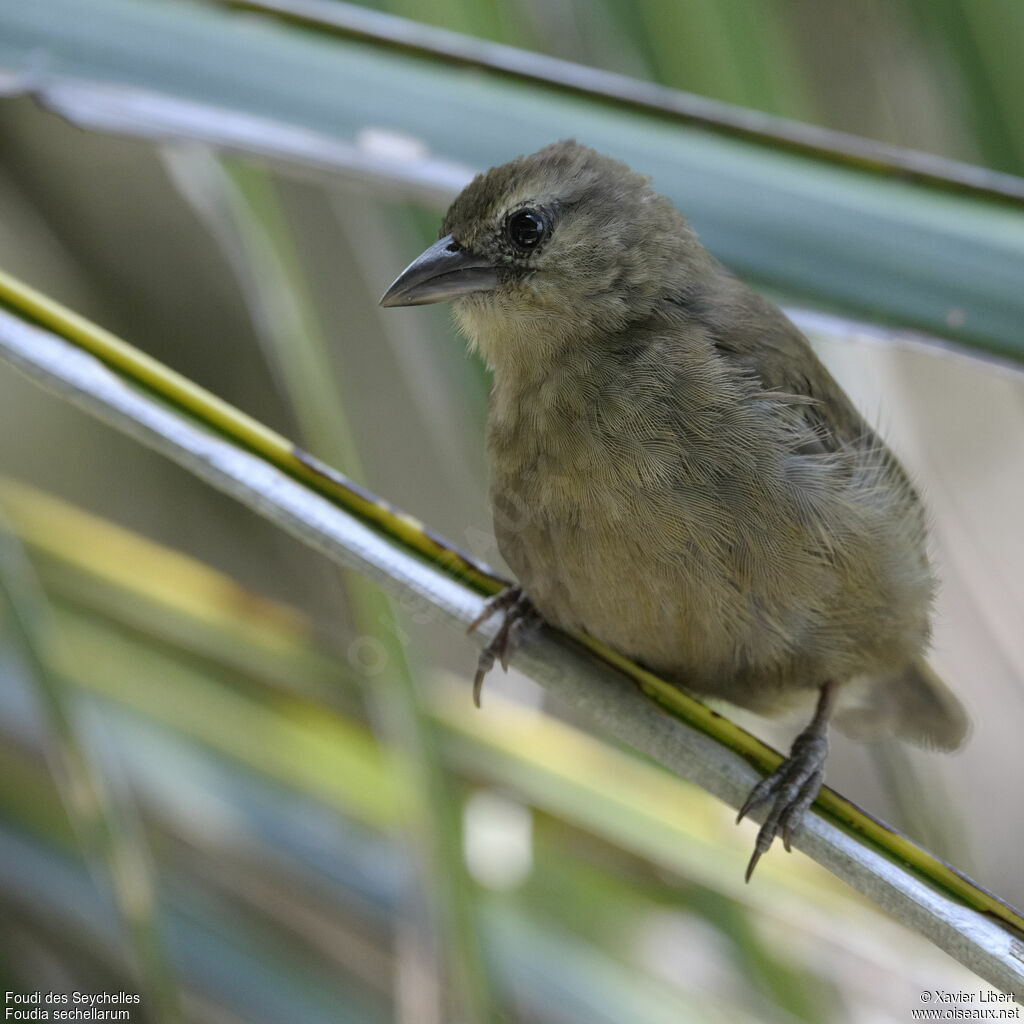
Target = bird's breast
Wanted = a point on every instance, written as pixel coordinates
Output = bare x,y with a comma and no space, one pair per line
616,526
610,533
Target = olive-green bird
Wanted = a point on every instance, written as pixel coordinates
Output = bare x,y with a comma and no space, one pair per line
674,472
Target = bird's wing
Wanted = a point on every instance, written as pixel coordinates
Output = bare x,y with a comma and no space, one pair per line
758,338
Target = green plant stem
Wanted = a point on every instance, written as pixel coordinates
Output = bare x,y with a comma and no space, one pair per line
688,737
284,315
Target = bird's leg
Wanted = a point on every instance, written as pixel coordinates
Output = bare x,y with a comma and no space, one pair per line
520,617
794,784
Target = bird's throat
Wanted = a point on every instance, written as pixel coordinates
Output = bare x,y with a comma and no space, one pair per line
515,339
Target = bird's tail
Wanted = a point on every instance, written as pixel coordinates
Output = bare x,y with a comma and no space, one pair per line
915,705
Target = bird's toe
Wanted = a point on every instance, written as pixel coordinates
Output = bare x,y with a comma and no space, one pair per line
519,620
792,788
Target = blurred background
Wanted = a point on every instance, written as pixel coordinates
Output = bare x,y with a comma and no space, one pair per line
246,787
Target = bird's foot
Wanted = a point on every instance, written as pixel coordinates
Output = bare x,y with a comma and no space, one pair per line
520,618
793,786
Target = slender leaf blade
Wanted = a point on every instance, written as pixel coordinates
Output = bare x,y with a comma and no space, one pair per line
880,247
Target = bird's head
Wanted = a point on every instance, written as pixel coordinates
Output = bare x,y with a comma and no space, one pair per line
559,246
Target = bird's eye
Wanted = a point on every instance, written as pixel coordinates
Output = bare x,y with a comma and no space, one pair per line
525,229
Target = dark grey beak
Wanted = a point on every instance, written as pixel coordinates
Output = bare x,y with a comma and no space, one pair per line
442,273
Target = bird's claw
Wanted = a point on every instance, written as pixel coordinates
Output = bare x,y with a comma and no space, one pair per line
792,787
519,617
